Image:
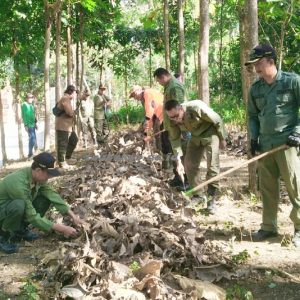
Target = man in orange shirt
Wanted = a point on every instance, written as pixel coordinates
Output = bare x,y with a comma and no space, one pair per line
152,101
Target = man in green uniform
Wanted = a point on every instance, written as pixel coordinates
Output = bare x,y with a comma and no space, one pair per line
25,197
273,112
208,134
101,105
86,115
173,90
29,120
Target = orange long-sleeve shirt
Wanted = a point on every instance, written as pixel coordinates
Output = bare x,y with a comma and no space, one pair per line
153,106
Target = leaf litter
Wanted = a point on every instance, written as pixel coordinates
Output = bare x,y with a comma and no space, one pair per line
129,220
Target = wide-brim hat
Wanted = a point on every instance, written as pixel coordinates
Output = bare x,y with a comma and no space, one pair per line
134,89
260,51
102,87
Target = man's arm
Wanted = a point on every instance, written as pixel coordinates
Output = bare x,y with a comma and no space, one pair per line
175,139
68,108
296,88
253,118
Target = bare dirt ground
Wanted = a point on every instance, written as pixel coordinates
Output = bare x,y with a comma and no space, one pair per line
270,270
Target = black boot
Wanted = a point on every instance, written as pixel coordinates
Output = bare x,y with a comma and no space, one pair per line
6,246
262,235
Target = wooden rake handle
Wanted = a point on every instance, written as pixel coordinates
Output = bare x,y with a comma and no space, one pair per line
243,164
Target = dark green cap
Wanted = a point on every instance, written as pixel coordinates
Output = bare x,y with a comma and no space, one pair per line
260,51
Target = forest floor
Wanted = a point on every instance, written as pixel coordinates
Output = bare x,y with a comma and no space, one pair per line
267,270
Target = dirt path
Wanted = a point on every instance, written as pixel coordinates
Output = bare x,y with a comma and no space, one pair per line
238,214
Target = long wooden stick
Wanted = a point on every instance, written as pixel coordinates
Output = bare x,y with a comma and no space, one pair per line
243,164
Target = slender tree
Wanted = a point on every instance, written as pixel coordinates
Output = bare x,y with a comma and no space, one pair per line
58,51
203,83
180,4
69,48
48,26
248,39
81,37
2,132
167,35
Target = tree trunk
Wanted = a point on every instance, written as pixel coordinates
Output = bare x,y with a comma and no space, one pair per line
69,49
167,35
126,94
81,18
283,31
203,83
248,39
57,52
2,133
181,38
220,53
48,26
77,64
101,65
18,112
150,64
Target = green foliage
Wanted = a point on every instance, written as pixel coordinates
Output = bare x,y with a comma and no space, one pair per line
29,291
134,266
253,198
231,110
135,113
240,258
238,292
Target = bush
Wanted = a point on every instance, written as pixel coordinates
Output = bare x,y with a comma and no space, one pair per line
231,111
135,113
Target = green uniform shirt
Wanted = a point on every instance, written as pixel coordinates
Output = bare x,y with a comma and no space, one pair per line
19,185
201,121
28,115
174,90
100,102
273,110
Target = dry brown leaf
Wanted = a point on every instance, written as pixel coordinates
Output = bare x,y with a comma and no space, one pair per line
203,289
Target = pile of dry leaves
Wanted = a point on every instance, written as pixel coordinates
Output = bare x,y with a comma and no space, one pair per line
137,244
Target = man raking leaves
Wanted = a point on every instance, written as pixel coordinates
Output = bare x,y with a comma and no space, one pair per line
208,134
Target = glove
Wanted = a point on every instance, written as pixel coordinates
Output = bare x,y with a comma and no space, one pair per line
293,140
254,147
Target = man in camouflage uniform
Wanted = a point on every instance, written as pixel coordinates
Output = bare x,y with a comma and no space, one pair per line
173,90
208,134
86,114
101,105
273,112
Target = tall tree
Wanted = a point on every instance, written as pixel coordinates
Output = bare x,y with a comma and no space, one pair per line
58,51
69,48
167,35
48,26
248,40
180,4
2,132
81,37
203,80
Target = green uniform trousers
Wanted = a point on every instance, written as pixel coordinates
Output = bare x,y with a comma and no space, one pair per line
12,213
192,160
102,130
65,143
285,163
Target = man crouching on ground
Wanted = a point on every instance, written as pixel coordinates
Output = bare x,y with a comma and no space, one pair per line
25,197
